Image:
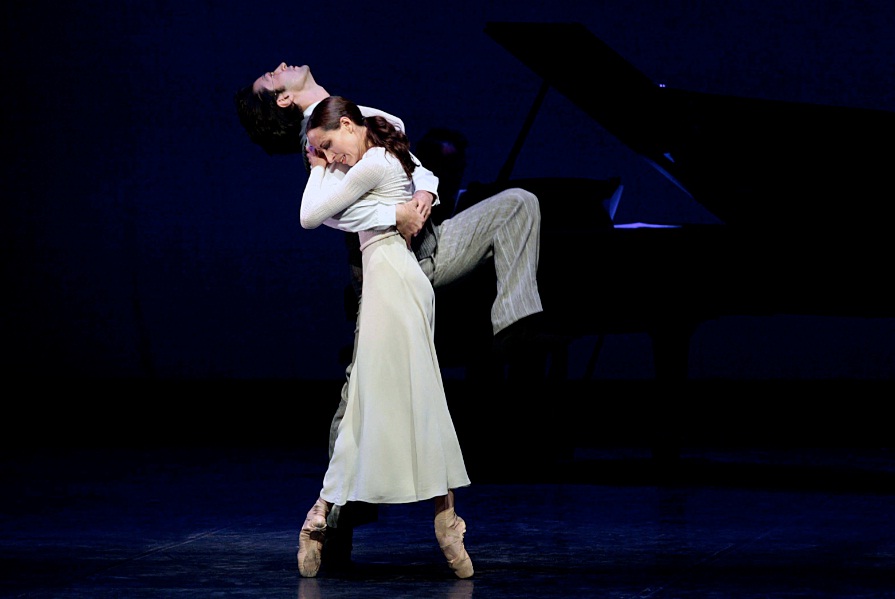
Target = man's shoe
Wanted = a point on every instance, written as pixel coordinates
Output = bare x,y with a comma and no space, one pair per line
525,347
519,336
337,547
529,334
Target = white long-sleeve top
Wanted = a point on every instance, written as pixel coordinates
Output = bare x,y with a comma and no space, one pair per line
366,216
376,182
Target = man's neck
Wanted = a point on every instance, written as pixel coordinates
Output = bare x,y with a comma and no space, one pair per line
310,96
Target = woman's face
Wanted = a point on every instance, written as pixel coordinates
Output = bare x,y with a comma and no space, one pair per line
345,145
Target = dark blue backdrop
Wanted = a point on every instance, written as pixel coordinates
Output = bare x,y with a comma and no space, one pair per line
144,236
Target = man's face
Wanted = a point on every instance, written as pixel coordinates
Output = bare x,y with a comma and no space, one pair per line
344,145
285,77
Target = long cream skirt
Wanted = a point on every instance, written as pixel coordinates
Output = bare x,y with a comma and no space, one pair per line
397,442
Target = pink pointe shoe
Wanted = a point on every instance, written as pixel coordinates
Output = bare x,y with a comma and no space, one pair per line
310,539
449,530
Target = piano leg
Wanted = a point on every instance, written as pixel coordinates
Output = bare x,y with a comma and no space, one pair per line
671,351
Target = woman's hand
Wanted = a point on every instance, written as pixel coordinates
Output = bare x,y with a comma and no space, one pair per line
315,158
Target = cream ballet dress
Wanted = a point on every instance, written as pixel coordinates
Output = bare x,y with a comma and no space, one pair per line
396,442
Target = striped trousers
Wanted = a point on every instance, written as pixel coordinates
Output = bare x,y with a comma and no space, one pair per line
505,227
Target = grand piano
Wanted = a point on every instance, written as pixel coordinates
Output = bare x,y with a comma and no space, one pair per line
801,191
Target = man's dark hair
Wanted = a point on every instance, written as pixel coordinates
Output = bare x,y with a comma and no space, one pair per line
276,129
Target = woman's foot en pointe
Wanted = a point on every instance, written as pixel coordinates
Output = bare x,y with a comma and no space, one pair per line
310,539
449,530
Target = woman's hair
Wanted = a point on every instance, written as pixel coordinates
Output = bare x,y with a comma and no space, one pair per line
380,132
275,128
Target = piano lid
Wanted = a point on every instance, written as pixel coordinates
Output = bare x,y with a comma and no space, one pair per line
752,162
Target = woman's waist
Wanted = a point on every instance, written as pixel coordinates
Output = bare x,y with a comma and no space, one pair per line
370,235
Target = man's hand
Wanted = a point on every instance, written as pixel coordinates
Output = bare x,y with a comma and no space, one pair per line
408,219
424,199
411,216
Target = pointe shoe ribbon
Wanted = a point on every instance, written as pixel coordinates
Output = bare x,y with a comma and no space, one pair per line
449,530
310,539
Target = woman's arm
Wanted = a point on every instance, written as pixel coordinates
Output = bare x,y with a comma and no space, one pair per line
320,201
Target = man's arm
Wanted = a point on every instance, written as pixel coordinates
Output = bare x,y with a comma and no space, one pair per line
398,123
425,180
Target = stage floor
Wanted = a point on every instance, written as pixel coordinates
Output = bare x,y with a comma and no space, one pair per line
222,521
